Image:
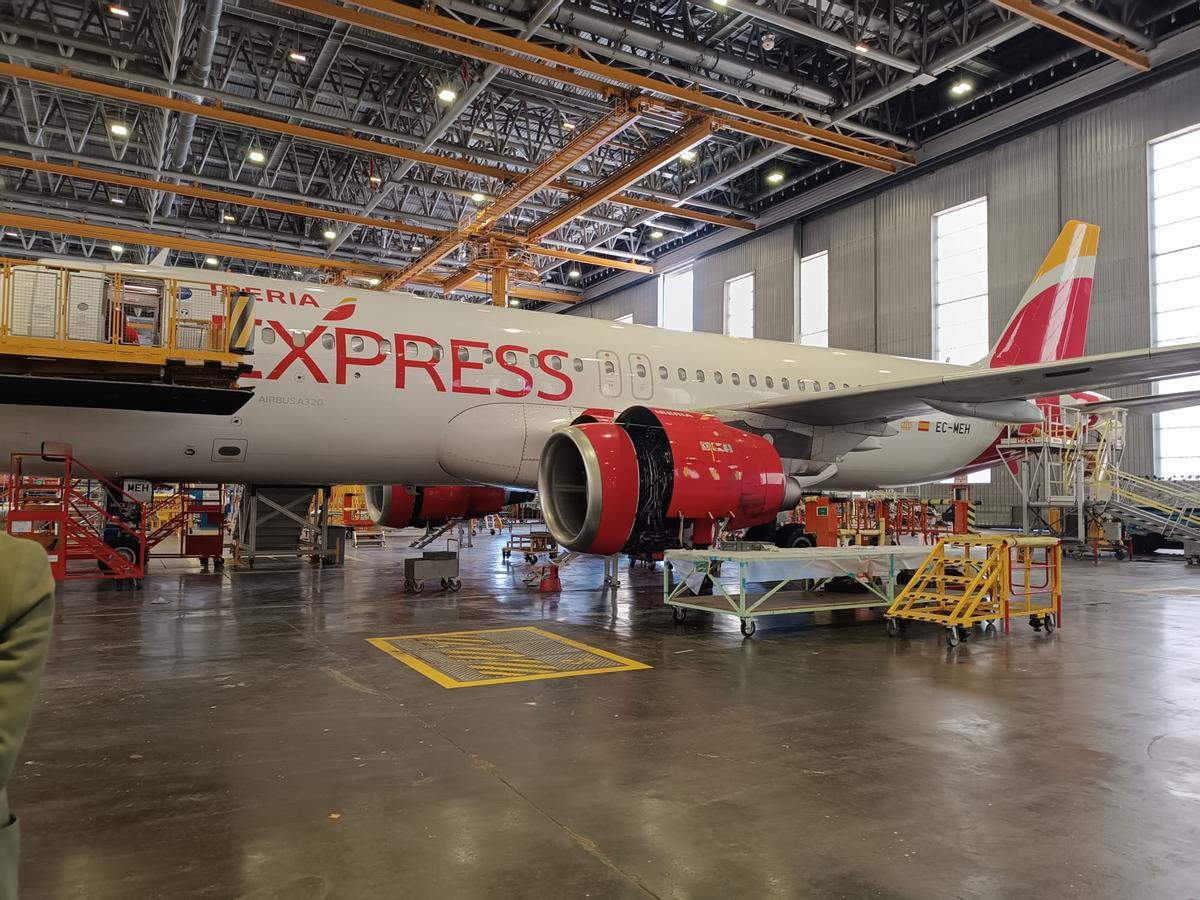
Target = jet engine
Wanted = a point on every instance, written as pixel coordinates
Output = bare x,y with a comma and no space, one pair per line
398,505
642,480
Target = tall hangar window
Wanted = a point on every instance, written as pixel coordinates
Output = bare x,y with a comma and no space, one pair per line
675,300
814,300
1175,289
960,283
739,306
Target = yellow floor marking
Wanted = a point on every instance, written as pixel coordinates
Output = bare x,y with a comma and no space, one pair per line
455,659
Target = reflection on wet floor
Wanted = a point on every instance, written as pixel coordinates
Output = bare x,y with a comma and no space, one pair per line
236,736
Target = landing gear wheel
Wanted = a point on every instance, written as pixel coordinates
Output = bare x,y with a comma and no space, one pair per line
893,627
678,613
1049,623
749,626
414,585
952,637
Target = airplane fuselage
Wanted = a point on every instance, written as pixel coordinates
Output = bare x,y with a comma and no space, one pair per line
388,388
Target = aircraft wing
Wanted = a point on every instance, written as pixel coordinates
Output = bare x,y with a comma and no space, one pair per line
1151,403
998,394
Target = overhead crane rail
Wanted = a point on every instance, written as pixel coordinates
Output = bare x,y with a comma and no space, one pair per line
114,337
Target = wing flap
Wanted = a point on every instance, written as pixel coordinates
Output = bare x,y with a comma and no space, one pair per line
905,398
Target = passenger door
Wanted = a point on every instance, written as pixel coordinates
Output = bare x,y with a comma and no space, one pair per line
610,373
641,376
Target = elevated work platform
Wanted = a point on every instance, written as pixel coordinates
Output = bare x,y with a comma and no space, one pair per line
121,337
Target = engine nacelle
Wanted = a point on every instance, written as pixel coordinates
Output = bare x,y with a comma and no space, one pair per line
398,505
634,483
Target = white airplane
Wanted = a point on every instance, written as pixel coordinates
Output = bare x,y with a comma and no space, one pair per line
630,433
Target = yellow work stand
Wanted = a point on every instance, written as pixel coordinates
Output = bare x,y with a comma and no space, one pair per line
974,579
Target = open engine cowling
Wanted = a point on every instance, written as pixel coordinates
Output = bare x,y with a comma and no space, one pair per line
398,505
633,482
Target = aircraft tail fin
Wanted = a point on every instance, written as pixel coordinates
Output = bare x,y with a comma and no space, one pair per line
1051,321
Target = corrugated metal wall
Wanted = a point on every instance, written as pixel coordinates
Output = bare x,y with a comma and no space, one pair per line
1091,166
641,300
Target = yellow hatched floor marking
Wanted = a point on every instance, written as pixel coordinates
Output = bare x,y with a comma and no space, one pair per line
500,656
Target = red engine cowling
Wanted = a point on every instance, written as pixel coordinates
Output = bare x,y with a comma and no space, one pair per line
629,483
398,506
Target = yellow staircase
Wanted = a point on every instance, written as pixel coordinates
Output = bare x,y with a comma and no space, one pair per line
973,579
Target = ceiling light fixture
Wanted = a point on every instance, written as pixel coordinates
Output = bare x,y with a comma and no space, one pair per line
117,10
688,155
656,234
119,129
574,273
297,57
568,125
211,261
256,156
478,197
961,87
860,47
117,249
447,95
117,201
329,234
228,217
373,282
375,179
774,176
514,302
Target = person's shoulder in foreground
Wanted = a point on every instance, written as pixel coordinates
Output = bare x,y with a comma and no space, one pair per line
24,576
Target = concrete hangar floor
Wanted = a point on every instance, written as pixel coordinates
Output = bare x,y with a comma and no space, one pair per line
235,735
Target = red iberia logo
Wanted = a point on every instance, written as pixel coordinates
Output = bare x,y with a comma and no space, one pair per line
342,311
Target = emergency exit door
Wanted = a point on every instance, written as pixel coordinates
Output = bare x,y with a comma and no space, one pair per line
610,373
640,378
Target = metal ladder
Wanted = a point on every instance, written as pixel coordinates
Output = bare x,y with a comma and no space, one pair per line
1162,506
430,536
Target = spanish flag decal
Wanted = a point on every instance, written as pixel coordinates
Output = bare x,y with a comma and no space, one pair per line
341,312
923,425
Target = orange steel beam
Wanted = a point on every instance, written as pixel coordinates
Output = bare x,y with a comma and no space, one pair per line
1076,32
459,278
599,133
682,212
783,137
536,55
689,137
177,242
500,286
555,253
427,260
219,113
74,170
525,292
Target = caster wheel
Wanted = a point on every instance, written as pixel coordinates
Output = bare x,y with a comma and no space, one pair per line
414,586
506,553
1035,623
678,613
1119,554
491,531
1049,623
530,558
893,628
553,554
445,584
1077,553
454,583
218,565
952,637
749,626
250,562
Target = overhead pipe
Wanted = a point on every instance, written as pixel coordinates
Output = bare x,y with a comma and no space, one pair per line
812,32
613,52
198,73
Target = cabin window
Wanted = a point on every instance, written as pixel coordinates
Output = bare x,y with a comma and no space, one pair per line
801,384
463,354
641,370
609,368
357,345
662,373
832,386
735,378
327,341
682,375
753,380
268,336
816,385
578,364
770,382
533,361
437,352
510,357
487,357
785,384
699,374
718,377
556,363
385,346
846,386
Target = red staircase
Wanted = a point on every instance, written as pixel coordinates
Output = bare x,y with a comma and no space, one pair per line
60,503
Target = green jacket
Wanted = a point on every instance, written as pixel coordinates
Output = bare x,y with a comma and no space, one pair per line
26,613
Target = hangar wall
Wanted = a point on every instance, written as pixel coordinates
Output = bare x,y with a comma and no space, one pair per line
1090,166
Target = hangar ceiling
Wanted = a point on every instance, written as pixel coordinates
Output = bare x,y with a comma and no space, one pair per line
565,140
